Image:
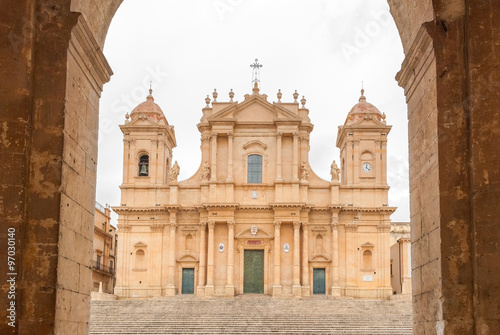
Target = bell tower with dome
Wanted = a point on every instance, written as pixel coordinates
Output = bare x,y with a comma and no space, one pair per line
362,141
148,142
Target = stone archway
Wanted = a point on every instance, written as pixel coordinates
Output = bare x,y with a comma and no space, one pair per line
52,71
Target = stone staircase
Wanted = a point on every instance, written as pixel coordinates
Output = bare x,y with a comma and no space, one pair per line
251,314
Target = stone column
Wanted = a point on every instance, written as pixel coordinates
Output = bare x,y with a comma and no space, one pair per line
295,154
170,290
209,288
277,260
230,259
306,290
230,140
279,137
200,290
404,260
335,256
213,150
350,230
296,259
385,288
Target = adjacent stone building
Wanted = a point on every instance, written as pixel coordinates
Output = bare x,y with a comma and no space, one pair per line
401,259
105,250
254,218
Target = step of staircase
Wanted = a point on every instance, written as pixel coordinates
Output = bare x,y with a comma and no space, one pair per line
250,314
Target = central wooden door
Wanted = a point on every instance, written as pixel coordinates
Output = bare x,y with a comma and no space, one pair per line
188,281
253,271
319,281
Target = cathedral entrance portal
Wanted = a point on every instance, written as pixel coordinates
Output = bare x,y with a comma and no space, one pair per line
253,272
188,281
319,281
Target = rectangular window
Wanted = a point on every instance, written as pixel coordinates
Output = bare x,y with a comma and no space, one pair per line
254,169
98,260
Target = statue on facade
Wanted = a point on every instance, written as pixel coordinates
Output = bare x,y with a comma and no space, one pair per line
304,171
174,172
335,171
205,174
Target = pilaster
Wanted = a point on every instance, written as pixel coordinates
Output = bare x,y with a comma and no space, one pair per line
277,260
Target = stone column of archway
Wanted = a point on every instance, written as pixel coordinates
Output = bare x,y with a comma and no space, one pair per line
451,80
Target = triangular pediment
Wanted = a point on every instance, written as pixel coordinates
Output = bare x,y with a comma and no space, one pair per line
255,108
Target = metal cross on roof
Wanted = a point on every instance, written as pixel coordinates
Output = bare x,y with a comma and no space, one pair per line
256,71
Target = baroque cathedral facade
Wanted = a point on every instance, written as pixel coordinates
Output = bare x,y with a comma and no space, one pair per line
254,218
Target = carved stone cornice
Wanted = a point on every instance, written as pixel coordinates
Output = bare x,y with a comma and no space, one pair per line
89,56
417,60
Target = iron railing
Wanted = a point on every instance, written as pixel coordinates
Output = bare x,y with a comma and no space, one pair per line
101,267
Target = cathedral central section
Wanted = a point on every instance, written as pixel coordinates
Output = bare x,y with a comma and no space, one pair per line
254,218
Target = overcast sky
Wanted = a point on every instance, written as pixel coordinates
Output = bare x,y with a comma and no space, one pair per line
323,49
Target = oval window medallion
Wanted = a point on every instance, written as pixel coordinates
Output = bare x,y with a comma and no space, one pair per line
221,247
254,230
286,247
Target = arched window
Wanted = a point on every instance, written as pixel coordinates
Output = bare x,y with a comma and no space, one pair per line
367,259
144,165
254,169
140,259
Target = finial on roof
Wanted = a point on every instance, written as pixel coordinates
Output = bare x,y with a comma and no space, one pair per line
280,95
207,101
215,95
303,102
362,97
295,96
255,89
231,95
127,116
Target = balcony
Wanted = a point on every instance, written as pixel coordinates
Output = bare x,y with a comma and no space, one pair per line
103,268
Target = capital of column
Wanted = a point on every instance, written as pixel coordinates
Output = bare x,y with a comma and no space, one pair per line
335,225
205,138
211,224
384,228
230,224
203,224
356,142
156,227
351,228
230,135
279,134
213,136
172,225
277,224
296,224
305,227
